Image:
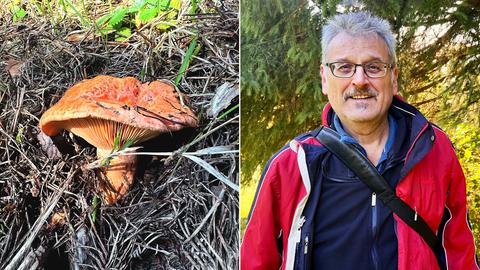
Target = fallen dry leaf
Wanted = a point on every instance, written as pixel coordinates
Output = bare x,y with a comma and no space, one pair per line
224,95
79,37
48,147
14,67
58,218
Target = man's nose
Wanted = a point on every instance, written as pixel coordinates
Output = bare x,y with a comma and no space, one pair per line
360,79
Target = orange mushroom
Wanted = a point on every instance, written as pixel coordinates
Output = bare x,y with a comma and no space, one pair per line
102,108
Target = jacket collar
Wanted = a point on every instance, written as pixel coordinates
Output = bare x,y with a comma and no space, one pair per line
409,118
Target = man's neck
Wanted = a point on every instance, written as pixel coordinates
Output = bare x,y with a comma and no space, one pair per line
371,136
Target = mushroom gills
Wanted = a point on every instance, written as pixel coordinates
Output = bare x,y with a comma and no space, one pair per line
101,133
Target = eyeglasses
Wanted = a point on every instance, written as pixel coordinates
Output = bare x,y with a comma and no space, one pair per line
346,69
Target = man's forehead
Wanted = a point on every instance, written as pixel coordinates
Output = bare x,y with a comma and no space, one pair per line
366,47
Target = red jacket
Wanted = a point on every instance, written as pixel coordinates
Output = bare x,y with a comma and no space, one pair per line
433,184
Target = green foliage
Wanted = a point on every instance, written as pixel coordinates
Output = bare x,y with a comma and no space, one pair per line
117,16
161,13
123,20
18,13
281,88
123,34
466,138
147,14
19,136
193,7
192,50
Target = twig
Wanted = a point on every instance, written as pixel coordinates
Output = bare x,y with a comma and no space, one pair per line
25,247
211,212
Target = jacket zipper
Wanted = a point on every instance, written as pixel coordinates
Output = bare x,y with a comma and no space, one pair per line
305,249
374,231
298,240
298,233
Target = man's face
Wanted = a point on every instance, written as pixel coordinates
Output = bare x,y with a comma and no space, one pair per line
359,99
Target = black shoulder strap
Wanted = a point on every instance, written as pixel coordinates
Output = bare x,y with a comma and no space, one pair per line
365,170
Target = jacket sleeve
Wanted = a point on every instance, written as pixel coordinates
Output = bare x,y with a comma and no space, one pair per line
458,241
259,248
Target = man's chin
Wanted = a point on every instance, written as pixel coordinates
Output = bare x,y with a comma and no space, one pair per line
362,116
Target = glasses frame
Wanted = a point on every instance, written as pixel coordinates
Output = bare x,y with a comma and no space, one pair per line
386,66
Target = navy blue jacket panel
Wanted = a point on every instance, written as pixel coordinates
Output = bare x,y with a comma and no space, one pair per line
352,229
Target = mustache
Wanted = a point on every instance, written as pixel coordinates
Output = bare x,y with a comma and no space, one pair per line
357,91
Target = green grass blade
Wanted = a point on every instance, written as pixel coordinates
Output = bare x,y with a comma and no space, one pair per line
82,18
193,8
127,144
116,141
95,203
229,111
186,60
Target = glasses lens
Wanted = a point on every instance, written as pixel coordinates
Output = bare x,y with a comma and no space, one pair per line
343,69
346,69
375,69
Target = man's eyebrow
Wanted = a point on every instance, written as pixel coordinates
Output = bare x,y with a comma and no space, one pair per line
373,59
376,59
341,60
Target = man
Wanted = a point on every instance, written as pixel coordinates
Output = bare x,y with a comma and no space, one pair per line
312,212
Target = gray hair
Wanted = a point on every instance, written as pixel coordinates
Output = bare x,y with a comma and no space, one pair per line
355,24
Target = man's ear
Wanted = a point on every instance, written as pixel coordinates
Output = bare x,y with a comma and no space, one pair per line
323,74
395,81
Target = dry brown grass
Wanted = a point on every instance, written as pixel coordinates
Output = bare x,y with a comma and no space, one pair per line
177,215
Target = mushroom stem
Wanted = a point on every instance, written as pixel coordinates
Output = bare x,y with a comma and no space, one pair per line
119,174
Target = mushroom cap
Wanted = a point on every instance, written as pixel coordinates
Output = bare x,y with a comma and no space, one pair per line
96,109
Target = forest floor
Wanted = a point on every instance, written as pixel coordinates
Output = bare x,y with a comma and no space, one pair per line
180,213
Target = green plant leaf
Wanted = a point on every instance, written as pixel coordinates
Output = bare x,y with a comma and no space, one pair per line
123,34
18,13
19,136
118,16
164,4
147,15
102,20
172,14
106,30
176,4
165,25
152,2
21,13
136,6
40,9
